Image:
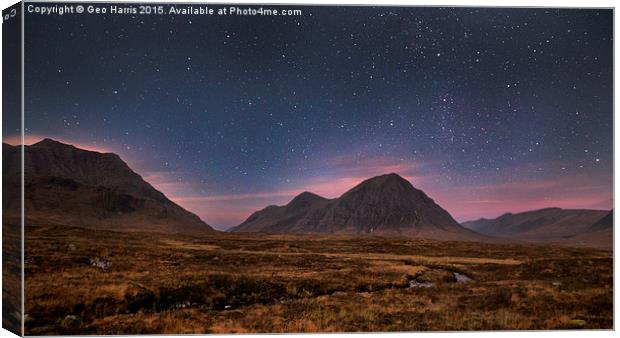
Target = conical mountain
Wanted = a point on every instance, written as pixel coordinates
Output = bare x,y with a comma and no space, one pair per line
382,205
66,185
304,201
386,203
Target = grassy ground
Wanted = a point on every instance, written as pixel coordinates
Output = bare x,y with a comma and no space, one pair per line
98,282
11,275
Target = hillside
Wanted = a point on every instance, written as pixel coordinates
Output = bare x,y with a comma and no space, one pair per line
383,205
71,186
544,225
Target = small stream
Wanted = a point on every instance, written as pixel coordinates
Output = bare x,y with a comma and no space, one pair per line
413,284
461,278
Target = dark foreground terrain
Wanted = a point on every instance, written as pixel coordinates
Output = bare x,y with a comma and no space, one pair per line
102,282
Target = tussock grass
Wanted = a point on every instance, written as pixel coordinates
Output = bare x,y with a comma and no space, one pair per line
231,283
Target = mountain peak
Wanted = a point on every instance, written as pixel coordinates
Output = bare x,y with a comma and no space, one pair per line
385,204
388,179
391,177
50,142
102,189
304,200
394,175
391,186
57,146
306,195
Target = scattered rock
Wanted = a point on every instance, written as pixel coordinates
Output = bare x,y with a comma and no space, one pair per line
100,263
27,318
71,322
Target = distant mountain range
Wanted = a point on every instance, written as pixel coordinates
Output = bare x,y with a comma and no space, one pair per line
600,234
604,223
550,225
382,205
71,186
65,185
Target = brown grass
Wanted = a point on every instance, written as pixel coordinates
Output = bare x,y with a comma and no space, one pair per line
264,283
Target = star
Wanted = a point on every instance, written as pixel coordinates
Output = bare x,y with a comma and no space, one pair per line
464,101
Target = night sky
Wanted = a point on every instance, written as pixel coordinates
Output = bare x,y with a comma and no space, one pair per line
486,110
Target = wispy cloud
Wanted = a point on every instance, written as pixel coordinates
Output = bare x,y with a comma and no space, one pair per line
468,202
463,201
331,180
335,175
237,197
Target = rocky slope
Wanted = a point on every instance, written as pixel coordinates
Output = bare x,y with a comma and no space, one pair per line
383,205
545,225
71,186
604,223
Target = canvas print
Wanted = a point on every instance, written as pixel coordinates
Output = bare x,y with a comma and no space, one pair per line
213,168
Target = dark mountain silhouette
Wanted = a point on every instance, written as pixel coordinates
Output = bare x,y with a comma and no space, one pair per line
600,234
71,186
548,224
383,205
283,218
604,223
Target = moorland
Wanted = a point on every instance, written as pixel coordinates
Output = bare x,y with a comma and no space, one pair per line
103,282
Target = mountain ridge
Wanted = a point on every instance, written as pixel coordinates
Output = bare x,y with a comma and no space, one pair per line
64,183
607,222
382,205
542,225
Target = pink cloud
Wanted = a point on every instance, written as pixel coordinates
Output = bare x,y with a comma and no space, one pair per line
167,182
348,171
464,202
491,200
232,209
237,197
223,214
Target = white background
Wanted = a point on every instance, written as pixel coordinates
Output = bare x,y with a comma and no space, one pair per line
490,3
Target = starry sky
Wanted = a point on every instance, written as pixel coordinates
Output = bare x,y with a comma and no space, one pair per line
486,110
